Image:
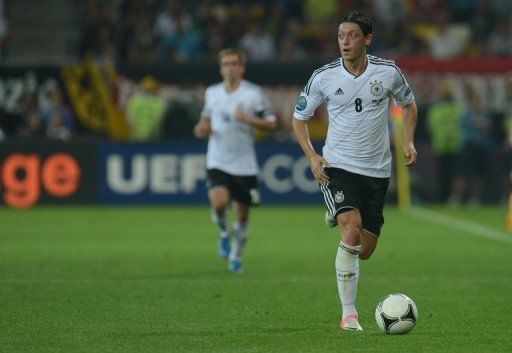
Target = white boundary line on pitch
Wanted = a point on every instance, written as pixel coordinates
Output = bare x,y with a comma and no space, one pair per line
466,226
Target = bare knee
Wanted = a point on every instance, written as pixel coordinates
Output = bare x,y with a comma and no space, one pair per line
351,229
241,212
219,198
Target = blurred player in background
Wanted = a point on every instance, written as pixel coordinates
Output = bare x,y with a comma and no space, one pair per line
232,109
355,165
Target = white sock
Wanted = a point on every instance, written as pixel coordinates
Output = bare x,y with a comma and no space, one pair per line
220,222
240,231
347,272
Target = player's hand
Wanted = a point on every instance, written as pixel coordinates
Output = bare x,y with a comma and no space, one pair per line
239,115
201,130
410,154
318,163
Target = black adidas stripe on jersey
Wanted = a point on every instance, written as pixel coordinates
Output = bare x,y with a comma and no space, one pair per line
376,58
374,62
331,65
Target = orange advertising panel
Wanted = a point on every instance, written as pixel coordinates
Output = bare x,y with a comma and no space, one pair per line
31,174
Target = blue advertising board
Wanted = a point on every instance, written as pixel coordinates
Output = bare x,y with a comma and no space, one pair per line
176,173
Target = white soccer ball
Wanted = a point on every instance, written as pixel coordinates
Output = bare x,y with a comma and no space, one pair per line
396,313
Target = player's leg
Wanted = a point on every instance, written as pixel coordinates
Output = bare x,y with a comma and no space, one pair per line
240,232
218,194
368,244
219,200
342,201
245,193
372,216
347,266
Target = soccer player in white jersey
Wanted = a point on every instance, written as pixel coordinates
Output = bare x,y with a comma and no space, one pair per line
232,109
355,165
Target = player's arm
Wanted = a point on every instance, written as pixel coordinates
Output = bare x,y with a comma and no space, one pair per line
410,119
265,119
202,128
307,102
300,128
404,97
269,125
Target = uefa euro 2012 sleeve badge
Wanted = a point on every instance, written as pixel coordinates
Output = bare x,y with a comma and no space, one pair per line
302,103
339,197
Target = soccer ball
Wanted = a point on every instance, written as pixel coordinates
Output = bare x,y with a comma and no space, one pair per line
396,313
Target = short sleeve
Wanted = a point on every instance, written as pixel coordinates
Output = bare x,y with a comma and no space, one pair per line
262,107
309,99
207,108
402,92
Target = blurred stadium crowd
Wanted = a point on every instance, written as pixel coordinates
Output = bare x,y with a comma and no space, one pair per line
143,31
465,121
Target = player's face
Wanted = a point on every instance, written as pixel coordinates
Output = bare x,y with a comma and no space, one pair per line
352,41
231,69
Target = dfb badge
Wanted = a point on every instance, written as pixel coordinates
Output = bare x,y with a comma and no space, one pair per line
339,197
376,88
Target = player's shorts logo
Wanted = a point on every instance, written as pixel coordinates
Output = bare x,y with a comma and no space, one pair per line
339,197
376,88
302,103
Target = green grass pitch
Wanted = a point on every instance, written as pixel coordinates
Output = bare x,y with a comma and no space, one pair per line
147,279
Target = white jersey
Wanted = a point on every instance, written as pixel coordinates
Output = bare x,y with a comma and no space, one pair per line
231,143
358,109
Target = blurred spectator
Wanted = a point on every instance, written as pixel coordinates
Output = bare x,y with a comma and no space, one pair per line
501,8
476,147
56,129
177,37
32,126
57,106
144,111
290,50
258,44
321,11
500,39
444,123
174,30
450,40
462,10
140,48
182,46
508,111
98,40
4,29
170,19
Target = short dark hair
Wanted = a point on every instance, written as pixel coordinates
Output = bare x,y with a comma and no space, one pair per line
359,18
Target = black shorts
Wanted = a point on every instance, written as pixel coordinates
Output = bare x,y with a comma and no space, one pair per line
243,189
347,191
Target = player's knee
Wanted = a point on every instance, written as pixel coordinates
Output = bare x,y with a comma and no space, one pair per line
351,234
351,228
366,251
219,203
219,206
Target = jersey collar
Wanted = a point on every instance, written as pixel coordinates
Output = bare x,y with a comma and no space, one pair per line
242,83
346,73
